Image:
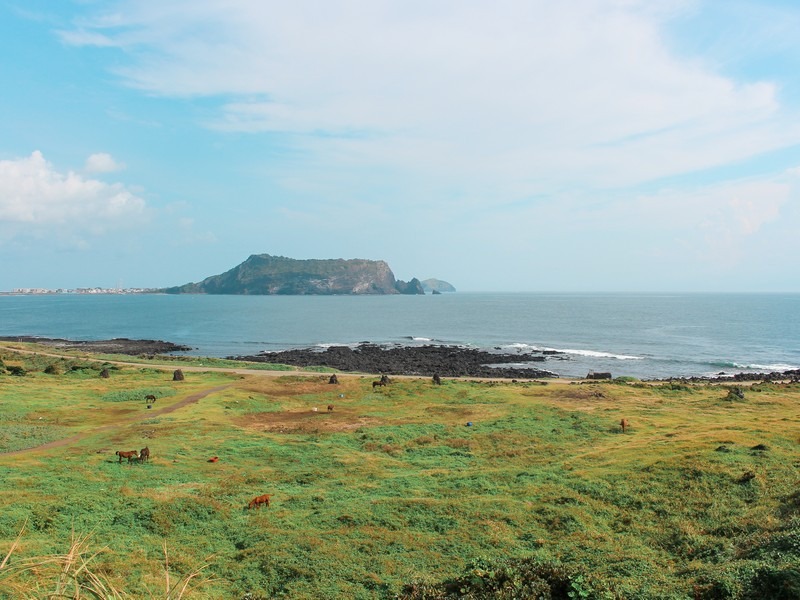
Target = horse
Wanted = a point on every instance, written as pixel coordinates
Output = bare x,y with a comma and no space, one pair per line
436,379
213,459
385,380
330,407
150,398
334,380
129,454
259,500
144,454
377,384
624,424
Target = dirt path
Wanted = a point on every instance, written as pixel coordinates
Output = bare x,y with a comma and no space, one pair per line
191,399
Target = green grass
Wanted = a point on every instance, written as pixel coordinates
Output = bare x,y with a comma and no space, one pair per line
393,487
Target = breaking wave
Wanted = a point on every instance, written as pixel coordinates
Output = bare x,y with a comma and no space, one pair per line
575,351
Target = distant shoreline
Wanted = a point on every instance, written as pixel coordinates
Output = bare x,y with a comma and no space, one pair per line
422,361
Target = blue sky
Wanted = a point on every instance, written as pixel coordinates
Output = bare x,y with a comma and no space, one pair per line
594,145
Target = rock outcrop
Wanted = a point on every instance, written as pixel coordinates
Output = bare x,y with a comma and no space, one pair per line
412,287
436,285
262,274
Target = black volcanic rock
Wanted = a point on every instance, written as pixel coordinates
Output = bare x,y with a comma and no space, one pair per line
446,361
264,274
115,346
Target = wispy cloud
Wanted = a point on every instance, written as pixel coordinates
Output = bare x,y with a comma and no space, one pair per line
570,92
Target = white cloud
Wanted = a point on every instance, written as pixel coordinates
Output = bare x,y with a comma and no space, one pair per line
34,195
533,93
102,162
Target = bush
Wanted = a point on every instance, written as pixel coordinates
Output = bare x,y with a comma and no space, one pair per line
52,370
735,394
777,584
16,370
521,579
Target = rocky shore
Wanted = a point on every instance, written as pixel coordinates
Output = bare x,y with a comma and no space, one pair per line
115,346
446,361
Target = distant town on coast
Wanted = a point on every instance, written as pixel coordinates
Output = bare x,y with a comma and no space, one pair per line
92,290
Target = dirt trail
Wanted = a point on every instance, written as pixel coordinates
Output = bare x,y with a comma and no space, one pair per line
191,399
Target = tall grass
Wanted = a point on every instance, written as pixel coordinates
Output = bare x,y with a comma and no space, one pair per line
73,575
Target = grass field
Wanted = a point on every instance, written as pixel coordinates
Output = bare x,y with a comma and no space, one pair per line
393,493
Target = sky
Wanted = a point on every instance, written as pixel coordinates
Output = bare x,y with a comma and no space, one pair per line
513,145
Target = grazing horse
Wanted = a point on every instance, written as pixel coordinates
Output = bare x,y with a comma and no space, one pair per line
330,407
624,424
436,379
129,454
259,500
150,398
378,384
144,454
334,380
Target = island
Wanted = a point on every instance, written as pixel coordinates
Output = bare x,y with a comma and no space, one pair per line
262,274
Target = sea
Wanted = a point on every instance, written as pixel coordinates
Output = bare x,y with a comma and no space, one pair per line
648,336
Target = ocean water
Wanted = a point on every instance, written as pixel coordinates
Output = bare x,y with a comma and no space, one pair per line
640,335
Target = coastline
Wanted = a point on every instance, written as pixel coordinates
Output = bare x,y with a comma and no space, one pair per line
399,360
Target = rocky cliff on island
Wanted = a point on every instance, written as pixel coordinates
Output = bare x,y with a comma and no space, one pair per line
262,274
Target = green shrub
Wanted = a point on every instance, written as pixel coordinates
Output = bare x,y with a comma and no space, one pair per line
509,579
735,394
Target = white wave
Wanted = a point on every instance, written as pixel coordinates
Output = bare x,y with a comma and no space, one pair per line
421,339
597,354
577,352
326,345
775,367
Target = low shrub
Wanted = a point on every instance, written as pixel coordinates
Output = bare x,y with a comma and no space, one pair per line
735,394
522,579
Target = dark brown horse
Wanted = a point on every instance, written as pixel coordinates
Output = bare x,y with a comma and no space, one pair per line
330,407
259,500
150,398
436,379
144,454
129,454
378,384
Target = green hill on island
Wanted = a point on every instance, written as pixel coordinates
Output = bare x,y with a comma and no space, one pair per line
265,274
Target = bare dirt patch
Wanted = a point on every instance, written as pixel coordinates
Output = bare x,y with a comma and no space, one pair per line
305,421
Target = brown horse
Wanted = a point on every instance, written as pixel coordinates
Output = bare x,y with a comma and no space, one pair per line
330,407
150,398
378,384
436,379
144,454
624,424
129,454
259,500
